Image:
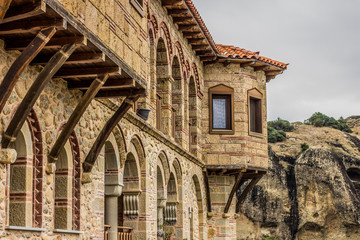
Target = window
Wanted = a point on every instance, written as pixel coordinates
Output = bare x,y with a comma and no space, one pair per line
255,111
139,6
221,109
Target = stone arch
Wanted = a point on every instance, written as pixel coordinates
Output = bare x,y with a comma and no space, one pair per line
120,144
180,53
166,33
67,186
164,162
155,24
200,205
177,101
199,92
152,87
193,116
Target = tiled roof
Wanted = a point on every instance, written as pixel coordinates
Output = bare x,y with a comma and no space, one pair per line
240,53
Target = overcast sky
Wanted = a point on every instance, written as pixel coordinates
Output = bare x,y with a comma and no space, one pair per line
319,38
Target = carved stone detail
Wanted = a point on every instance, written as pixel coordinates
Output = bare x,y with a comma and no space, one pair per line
170,213
131,204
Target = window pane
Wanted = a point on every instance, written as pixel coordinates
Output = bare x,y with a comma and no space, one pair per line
219,113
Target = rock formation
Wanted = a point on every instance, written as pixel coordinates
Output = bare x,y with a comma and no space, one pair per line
313,194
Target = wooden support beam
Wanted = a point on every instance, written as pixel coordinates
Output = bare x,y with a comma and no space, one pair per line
56,42
246,191
196,41
205,52
105,132
268,78
273,72
178,12
188,27
120,93
87,72
262,68
75,58
193,34
247,64
200,47
34,92
25,11
208,58
171,3
233,191
110,84
31,26
75,117
4,6
32,49
184,19
207,189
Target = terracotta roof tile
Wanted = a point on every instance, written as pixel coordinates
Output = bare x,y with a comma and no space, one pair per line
240,53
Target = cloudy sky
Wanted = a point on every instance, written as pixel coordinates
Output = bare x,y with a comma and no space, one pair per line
319,38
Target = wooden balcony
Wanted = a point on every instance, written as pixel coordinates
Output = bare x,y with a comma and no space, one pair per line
124,233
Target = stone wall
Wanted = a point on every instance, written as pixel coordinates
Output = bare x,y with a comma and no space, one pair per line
53,108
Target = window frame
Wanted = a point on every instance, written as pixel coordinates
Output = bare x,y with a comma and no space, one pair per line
222,90
258,96
139,7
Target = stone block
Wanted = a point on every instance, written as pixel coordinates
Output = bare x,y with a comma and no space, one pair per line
8,156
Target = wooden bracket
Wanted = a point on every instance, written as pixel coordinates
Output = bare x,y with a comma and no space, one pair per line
4,6
246,191
32,49
24,11
34,92
233,191
75,117
106,131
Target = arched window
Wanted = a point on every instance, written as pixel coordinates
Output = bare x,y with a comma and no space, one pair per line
221,110
26,176
255,112
67,187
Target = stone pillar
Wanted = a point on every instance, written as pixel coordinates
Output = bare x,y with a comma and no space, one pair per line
160,216
112,192
221,226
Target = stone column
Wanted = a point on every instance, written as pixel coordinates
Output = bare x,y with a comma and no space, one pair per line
112,192
160,215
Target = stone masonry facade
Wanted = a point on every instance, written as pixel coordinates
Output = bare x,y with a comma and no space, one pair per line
168,177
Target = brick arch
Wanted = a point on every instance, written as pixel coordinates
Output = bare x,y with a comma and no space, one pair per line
164,161
166,33
38,172
182,57
200,94
135,139
200,202
121,144
154,23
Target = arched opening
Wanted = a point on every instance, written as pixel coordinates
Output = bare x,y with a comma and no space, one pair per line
67,186
20,182
177,102
193,118
170,212
129,216
112,186
163,88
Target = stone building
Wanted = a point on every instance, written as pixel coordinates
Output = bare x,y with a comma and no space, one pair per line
80,158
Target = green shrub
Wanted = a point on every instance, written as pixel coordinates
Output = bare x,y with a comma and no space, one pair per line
321,120
281,124
304,147
276,135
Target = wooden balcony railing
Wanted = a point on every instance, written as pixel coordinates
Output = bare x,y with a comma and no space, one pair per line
124,233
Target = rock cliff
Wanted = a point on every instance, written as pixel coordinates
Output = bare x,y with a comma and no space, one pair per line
314,194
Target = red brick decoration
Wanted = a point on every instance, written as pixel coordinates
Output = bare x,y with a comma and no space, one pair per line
165,28
200,94
76,203
37,210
